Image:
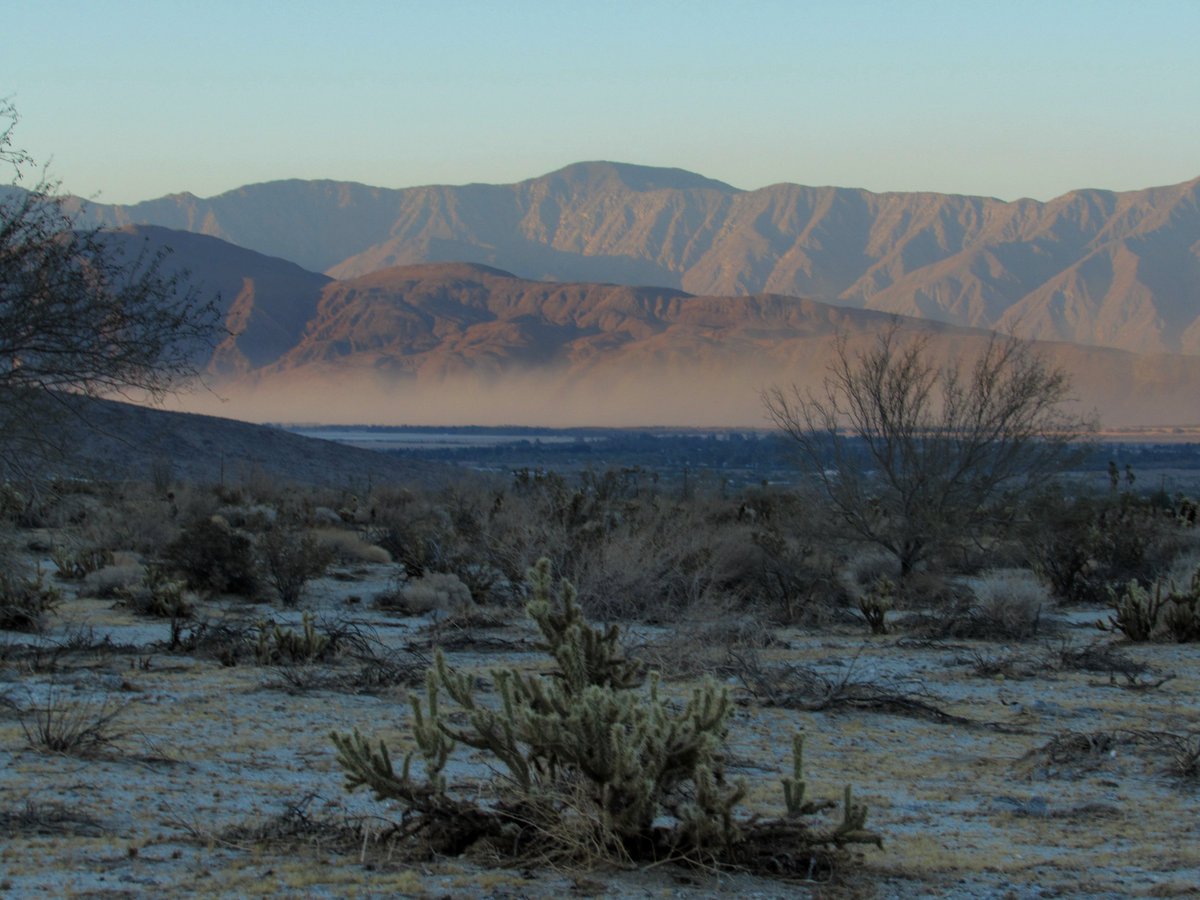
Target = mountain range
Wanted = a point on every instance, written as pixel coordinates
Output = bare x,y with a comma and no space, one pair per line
1090,267
608,294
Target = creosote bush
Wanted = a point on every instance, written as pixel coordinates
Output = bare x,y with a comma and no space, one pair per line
593,757
214,557
292,558
1085,547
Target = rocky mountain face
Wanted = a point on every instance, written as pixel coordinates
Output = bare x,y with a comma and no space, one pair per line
1091,267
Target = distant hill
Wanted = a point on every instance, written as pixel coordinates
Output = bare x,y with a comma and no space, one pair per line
1090,267
113,441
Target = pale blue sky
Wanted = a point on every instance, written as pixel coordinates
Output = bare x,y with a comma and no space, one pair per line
132,100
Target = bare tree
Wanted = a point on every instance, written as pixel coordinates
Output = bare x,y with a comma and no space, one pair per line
81,315
914,457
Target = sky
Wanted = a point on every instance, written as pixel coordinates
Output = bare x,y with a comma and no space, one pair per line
131,100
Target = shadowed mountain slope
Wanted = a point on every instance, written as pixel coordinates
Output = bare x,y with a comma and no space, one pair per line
266,302
112,441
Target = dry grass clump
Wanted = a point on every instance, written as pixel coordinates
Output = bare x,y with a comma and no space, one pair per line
436,592
48,818
1071,754
704,643
1008,605
113,581
76,727
349,547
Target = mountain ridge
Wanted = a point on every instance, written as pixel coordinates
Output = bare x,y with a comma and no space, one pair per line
1098,267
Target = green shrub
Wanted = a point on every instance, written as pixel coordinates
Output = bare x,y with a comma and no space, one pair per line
214,557
25,600
592,757
1084,547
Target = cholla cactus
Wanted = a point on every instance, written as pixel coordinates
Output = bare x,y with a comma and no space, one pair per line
651,775
283,645
875,604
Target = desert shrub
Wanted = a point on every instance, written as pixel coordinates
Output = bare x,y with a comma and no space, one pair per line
75,564
25,600
130,516
632,553
1084,546
213,557
226,640
591,760
411,531
25,597
1182,618
436,591
661,556
795,575
866,567
706,642
1136,611
1184,753
292,557
472,531
113,581
12,501
252,517
1008,606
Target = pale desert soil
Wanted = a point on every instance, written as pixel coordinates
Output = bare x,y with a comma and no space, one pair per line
223,783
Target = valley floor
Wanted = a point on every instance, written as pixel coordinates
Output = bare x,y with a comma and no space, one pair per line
1032,770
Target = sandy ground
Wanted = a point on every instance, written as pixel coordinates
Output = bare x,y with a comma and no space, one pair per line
1005,771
